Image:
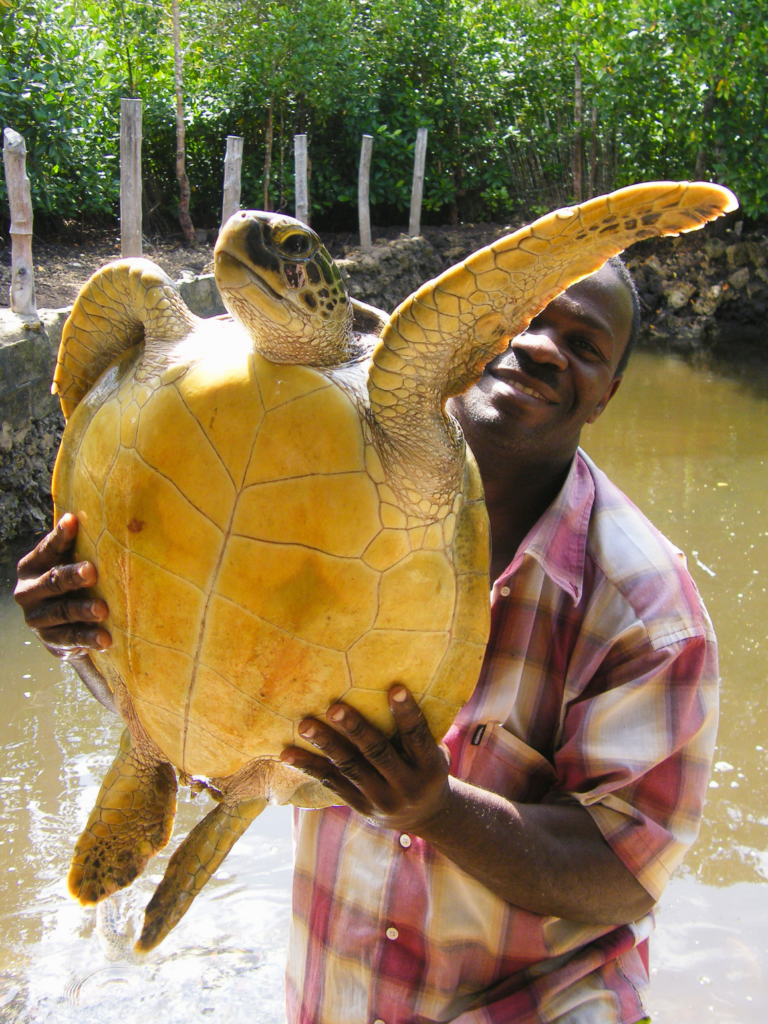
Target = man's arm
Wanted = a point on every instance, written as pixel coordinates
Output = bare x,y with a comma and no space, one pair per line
548,858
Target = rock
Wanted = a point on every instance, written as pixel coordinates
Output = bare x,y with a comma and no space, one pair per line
757,254
201,295
737,255
714,248
391,271
653,264
677,293
708,300
26,369
739,279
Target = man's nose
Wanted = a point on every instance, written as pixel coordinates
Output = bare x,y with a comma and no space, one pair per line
542,346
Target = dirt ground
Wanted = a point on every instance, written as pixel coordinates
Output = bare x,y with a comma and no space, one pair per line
62,267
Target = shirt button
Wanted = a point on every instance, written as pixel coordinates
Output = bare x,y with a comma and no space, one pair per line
392,933
405,840
505,591
379,1021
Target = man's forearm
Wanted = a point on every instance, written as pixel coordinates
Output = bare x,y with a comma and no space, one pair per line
550,859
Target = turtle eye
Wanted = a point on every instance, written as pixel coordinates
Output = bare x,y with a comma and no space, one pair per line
296,245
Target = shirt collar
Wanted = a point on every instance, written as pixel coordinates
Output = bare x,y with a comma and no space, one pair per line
558,541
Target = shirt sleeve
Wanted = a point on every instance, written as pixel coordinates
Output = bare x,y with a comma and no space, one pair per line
637,749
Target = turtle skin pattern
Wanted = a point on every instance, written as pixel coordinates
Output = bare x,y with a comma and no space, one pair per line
281,511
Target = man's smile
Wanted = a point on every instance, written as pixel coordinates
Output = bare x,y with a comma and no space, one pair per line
516,380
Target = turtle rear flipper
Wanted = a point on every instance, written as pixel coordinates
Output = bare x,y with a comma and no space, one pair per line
118,306
132,821
192,864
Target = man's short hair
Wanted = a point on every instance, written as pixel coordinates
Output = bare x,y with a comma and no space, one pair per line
618,264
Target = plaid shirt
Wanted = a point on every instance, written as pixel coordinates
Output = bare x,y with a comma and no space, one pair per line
600,684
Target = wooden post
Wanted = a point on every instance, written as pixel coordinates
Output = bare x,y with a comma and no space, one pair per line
233,165
363,194
20,202
130,177
420,159
578,190
300,177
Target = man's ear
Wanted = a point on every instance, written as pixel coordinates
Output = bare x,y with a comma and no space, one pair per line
613,387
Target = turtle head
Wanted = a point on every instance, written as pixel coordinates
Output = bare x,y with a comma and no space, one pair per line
280,283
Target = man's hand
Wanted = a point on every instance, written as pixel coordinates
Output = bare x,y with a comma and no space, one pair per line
48,590
548,858
399,783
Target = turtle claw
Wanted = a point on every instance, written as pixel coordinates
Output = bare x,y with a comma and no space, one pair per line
192,864
131,821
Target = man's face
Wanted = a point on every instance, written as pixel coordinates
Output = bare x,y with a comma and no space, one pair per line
555,377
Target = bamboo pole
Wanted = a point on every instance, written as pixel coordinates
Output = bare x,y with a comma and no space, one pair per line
233,166
130,177
363,194
300,172
417,191
20,201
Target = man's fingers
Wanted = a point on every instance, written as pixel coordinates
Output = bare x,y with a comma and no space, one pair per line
375,748
61,579
353,763
66,610
74,641
327,774
418,743
51,548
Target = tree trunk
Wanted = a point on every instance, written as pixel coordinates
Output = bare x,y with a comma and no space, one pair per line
281,202
184,219
268,154
703,153
577,119
593,151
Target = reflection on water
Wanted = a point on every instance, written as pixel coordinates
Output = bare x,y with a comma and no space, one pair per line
692,450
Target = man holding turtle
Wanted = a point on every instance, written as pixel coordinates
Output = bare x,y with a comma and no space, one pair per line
507,875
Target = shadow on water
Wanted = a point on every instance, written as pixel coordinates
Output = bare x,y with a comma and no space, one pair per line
690,447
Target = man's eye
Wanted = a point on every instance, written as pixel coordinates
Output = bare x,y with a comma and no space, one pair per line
580,342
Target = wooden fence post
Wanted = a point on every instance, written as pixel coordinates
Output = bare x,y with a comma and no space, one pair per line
420,158
233,165
363,194
300,179
130,177
20,202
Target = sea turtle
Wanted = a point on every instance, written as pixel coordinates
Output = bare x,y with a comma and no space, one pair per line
281,511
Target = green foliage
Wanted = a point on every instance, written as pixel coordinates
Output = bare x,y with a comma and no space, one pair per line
671,88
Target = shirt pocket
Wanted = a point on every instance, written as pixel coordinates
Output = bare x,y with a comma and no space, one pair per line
503,764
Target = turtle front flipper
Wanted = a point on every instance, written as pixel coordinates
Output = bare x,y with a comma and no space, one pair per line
132,821
193,863
439,340
120,305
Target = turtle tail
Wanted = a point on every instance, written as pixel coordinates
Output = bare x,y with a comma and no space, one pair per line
112,313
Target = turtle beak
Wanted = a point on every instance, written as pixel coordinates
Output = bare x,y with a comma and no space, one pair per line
243,239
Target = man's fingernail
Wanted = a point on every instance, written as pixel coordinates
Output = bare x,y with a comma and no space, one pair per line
82,570
337,715
288,758
399,694
308,731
